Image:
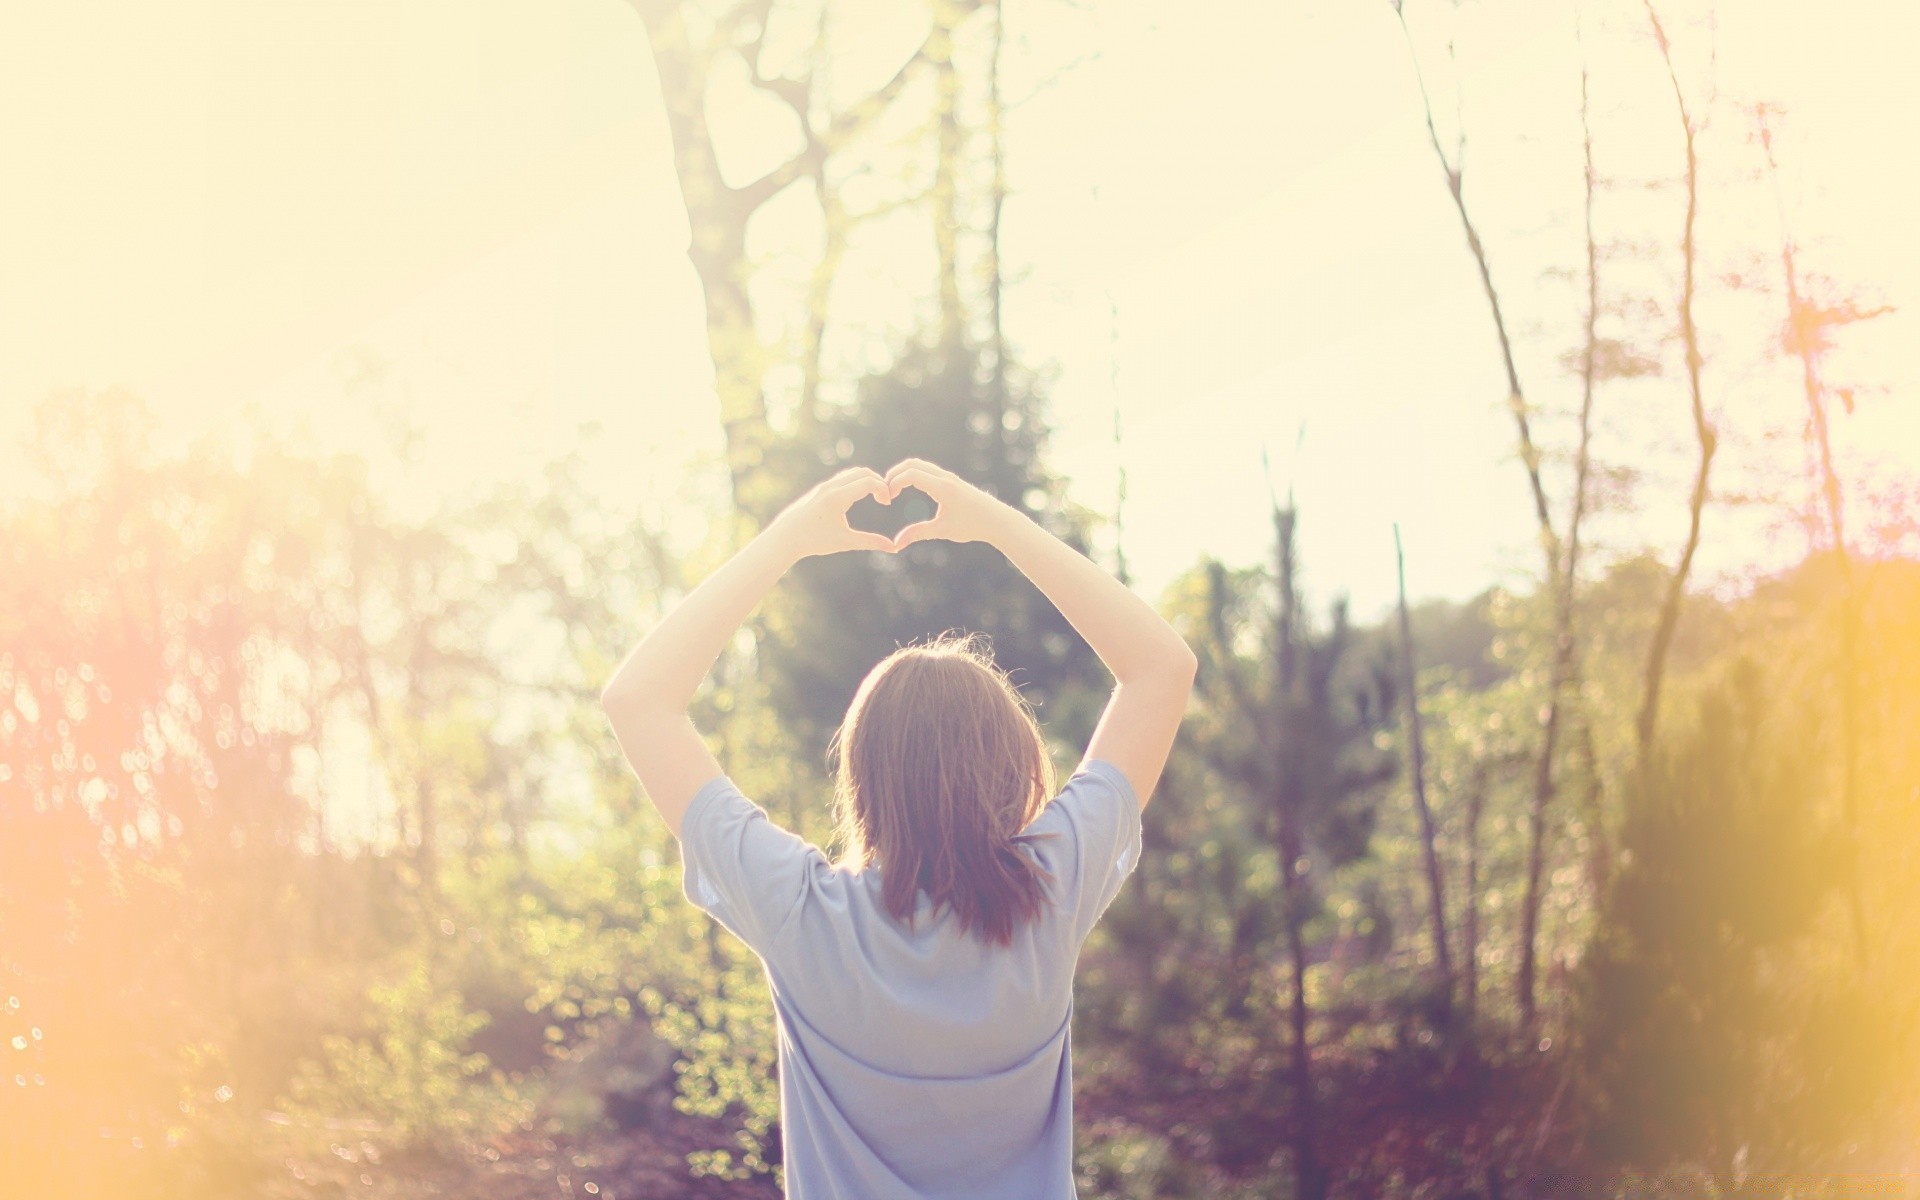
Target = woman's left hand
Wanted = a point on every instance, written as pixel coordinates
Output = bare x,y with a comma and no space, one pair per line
816,523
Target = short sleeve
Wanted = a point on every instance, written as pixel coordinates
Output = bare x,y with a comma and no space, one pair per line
740,867
1099,816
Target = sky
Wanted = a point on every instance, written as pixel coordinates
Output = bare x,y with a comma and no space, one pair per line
1226,226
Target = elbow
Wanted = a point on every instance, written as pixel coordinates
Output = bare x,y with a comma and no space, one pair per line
1185,661
1177,664
1187,657
620,693
1189,669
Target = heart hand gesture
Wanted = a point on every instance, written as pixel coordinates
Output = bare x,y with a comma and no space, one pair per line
816,523
964,513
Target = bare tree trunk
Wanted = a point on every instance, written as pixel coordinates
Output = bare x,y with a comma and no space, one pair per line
1310,1180
1435,888
1647,724
997,200
1543,788
1589,353
718,213
1563,678
946,162
1549,546
1470,917
1567,665
717,216
1804,324
1310,1177
834,226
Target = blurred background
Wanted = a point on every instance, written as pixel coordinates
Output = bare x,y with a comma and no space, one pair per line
1512,404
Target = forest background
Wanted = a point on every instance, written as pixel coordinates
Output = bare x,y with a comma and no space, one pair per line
1590,872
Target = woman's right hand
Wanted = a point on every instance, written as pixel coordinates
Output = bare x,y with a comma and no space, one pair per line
964,513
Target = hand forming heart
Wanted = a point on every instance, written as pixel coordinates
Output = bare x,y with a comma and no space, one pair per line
817,522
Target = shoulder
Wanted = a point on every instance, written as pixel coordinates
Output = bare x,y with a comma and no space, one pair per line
1096,803
720,809
741,866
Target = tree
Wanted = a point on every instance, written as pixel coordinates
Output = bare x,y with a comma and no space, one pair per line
1558,579
1806,334
1699,1037
1704,433
1305,765
689,39
185,635
840,615
1417,773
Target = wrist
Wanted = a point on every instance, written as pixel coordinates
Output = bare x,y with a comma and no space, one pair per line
779,545
1014,530
1004,521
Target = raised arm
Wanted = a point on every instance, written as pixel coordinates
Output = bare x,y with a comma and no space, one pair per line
1152,666
647,697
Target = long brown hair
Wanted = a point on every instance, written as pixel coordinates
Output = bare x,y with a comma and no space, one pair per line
940,767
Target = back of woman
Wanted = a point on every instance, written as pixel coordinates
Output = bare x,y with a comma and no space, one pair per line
922,980
916,1060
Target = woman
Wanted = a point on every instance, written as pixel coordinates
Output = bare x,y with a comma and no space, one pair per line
923,985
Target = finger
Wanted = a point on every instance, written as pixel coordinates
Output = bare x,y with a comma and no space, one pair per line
911,477
906,464
874,541
911,534
846,491
855,477
849,483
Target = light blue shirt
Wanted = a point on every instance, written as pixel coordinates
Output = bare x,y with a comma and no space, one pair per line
924,1064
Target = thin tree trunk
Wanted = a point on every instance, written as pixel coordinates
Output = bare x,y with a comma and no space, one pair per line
1435,888
1803,322
1647,725
1589,354
834,230
1310,1181
946,161
1516,396
1549,542
1567,671
997,336
1543,790
1470,918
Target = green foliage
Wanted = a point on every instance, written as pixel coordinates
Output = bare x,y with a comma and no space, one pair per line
1128,1163
726,1039
411,1073
1302,759
840,614
1704,1032
211,664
